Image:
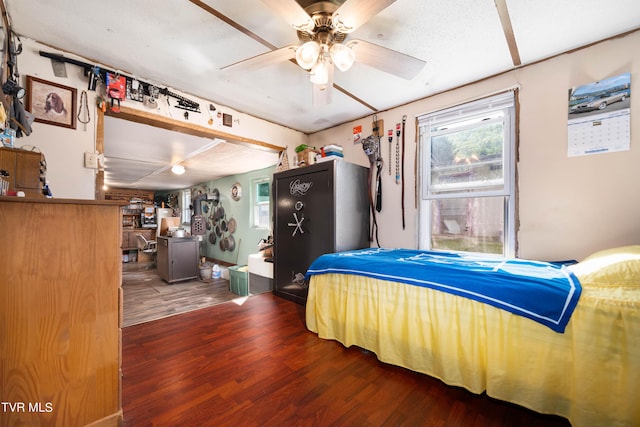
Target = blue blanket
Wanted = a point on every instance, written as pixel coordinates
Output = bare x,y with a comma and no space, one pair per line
545,292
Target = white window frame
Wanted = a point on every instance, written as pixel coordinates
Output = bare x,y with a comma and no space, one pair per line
185,203
255,203
506,102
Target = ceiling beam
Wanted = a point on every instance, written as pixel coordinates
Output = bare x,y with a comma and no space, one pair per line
232,23
352,96
505,20
152,119
265,43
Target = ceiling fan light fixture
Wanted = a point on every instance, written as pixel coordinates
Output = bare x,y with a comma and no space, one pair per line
307,54
320,73
178,169
342,56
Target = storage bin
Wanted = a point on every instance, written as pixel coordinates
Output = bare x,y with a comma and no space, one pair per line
239,280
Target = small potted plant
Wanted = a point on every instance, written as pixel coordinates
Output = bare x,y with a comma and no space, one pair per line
306,155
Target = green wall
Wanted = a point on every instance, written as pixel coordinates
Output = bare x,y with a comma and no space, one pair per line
246,237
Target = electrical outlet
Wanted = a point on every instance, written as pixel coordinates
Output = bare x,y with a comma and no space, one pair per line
90,160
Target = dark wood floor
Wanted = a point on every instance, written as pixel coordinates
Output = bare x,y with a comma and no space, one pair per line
256,364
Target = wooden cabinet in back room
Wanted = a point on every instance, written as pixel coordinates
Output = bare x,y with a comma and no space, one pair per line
318,209
27,170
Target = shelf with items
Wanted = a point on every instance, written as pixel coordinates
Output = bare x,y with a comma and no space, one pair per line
131,215
139,202
128,194
130,220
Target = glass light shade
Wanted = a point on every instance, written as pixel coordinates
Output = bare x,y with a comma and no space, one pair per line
342,56
307,54
178,169
320,73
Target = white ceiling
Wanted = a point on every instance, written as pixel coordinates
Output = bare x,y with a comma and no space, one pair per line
183,44
147,163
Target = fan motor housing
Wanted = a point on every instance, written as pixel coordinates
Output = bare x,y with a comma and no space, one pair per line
321,12
315,6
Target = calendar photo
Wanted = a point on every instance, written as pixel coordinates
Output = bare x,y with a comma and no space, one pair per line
599,116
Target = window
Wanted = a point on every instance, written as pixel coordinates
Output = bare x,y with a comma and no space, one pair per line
261,200
185,207
468,177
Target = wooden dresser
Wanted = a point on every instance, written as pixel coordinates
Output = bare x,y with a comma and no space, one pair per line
60,312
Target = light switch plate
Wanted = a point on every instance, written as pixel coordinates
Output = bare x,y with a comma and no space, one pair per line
91,160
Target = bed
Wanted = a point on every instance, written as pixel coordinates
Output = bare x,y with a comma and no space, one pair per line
579,360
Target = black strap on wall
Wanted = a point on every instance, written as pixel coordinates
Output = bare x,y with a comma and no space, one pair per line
374,224
404,119
379,186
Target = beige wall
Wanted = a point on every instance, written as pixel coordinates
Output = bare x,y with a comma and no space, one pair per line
568,207
64,148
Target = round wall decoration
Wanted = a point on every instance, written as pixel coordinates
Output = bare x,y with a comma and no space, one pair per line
215,196
236,191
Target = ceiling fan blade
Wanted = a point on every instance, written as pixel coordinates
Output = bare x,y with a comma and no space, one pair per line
279,55
292,12
322,94
354,13
387,60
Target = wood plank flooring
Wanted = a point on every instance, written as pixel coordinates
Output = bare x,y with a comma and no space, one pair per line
147,297
256,364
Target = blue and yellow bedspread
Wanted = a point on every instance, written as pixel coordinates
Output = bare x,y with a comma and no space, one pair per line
545,292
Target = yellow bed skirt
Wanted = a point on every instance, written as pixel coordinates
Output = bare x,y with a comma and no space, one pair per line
589,375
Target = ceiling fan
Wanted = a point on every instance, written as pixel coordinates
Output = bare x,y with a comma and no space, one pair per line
323,28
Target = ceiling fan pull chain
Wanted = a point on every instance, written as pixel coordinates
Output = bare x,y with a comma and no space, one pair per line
404,120
397,153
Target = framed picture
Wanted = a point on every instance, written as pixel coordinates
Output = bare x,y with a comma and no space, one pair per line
51,103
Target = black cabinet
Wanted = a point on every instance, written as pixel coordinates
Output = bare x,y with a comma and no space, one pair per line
318,209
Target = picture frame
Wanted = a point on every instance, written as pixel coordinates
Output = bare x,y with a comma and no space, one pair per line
51,103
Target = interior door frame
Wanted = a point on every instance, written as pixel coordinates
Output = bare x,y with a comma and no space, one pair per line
144,117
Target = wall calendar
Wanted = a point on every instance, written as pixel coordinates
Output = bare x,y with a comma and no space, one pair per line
600,117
